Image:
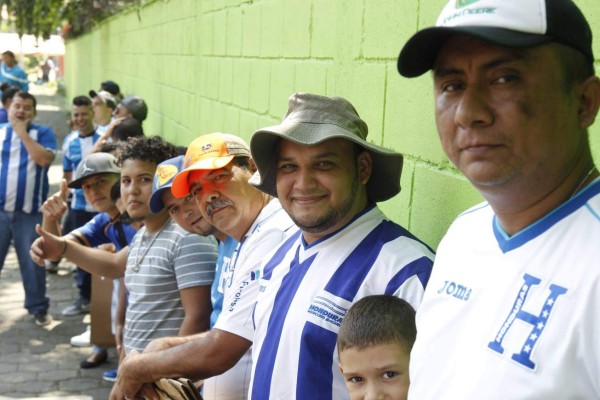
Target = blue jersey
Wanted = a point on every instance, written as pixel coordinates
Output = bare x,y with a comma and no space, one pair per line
23,183
226,250
101,229
15,76
75,148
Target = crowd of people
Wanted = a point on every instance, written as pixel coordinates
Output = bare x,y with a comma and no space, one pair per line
266,269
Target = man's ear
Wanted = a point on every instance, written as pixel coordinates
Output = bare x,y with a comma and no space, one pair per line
252,165
589,101
365,166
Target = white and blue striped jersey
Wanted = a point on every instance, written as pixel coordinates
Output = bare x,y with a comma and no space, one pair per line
513,317
75,148
241,274
305,291
23,183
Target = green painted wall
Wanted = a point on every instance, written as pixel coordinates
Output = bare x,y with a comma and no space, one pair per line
230,66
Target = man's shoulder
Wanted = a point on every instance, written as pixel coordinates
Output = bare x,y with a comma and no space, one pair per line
42,129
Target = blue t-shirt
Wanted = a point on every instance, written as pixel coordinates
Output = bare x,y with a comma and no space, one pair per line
226,249
101,229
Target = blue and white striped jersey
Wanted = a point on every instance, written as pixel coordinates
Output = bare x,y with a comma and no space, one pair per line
75,148
23,183
305,291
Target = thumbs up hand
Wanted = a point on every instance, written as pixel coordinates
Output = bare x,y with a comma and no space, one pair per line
47,246
56,205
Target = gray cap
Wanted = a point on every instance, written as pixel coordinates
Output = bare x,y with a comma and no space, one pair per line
136,106
94,164
106,97
312,119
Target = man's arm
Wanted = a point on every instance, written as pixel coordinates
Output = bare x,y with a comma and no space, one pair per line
197,357
54,208
94,261
197,308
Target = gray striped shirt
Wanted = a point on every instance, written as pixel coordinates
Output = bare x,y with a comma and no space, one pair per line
175,260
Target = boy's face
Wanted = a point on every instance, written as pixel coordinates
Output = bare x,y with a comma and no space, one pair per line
376,372
136,186
186,214
96,190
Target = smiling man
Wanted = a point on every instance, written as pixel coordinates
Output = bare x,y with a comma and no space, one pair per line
512,306
327,177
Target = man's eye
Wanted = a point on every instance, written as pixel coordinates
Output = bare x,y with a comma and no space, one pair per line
355,379
173,210
504,79
287,167
452,86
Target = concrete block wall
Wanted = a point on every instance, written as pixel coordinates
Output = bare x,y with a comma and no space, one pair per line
230,66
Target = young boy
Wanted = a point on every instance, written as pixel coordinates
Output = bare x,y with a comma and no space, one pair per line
374,344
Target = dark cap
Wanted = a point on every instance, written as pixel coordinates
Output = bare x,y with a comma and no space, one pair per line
136,106
110,87
163,180
511,23
94,164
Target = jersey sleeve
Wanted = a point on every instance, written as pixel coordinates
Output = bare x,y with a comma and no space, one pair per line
194,261
47,138
94,231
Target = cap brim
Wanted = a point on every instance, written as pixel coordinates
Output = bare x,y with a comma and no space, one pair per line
77,183
420,52
181,185
156,204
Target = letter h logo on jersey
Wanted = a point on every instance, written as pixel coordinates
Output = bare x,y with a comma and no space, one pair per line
537,321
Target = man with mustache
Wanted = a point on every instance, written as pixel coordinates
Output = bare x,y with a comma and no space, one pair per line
218,169
289,308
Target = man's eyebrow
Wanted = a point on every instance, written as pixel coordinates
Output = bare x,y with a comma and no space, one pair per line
441,71
325,154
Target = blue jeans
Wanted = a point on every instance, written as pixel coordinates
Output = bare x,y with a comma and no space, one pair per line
20,227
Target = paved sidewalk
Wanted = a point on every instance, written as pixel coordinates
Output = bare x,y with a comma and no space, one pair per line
39,362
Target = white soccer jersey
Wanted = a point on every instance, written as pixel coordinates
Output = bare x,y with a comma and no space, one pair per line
305,292
267,232
513,317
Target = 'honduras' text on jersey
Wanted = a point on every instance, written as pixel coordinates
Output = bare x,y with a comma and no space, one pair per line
513,317
305,293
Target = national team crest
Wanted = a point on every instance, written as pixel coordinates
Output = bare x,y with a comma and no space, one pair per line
464,3
165,173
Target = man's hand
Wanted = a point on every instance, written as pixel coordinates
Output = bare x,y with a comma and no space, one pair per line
47,246
56,205
129,376
19,125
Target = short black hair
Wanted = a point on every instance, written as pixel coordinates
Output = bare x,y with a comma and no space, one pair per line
576,66
27,96
82,101
9,93
129,127
375,320
152,149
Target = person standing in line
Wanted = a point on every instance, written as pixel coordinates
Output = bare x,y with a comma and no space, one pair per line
512,307
27,151
11,72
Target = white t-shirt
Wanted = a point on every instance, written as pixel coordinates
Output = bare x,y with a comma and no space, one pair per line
305,292
513,317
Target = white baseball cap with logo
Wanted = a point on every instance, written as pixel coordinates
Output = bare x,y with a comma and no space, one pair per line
511,23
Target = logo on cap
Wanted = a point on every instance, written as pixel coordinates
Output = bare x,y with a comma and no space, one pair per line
206,147
165,173
464,3
85,169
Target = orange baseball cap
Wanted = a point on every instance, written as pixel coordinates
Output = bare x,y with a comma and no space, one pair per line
208,152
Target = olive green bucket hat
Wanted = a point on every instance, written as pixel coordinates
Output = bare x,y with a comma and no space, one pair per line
312,119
